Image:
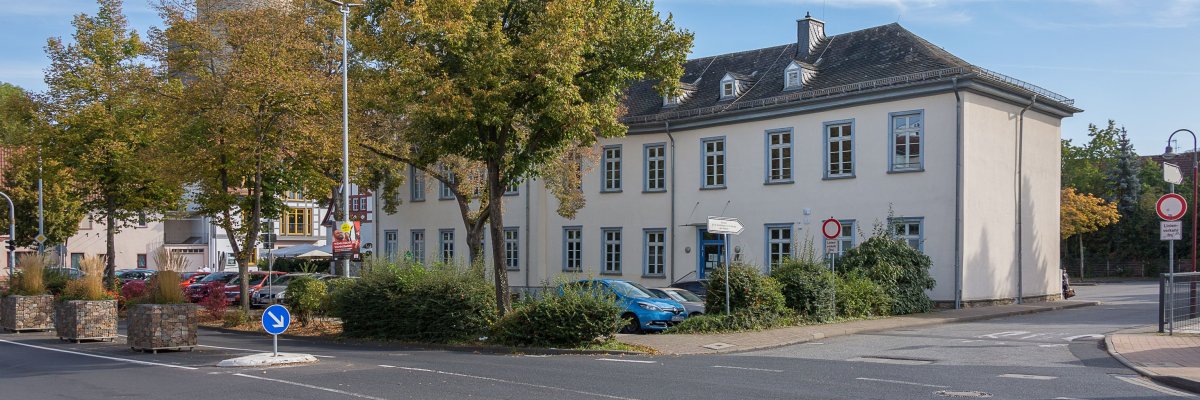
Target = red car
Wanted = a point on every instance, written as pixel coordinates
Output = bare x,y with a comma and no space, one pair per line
198,290
191,277
258,279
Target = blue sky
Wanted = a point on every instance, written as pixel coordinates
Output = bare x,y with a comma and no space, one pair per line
1135,61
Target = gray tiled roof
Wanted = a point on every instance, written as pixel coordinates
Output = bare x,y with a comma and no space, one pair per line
850,58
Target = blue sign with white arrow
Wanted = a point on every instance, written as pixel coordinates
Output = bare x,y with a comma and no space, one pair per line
276,319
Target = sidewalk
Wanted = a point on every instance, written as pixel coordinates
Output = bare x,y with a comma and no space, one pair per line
1170,360
747,341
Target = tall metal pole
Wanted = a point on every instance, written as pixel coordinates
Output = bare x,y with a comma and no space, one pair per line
41,215
12,232
345,9
727,265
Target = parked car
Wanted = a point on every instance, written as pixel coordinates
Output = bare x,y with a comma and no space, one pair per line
697,287
691,302
188,278
140,274
644,311
275,290
257,279
198,290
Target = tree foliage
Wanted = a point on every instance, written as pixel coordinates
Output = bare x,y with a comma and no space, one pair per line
1083,213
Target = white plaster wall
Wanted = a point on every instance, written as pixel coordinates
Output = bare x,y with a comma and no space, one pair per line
129,242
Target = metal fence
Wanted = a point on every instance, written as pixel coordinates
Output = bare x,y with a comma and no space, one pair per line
1177,307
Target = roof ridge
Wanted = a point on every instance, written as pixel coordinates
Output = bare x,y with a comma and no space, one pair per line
738,52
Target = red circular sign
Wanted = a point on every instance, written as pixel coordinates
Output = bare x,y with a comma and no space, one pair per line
1171,207
831,228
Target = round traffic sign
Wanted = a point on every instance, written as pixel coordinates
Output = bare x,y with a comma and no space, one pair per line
1171,207
831,228
276,319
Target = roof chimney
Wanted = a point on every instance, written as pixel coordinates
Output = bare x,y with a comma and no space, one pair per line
809,32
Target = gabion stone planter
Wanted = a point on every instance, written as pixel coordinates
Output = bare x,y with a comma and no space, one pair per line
27,313
86,320
157,327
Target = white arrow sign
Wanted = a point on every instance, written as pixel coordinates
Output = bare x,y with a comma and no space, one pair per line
1171,173
725,225
278,320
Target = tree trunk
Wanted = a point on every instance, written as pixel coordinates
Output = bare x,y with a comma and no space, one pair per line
110,245
251,244
1081,257
496,222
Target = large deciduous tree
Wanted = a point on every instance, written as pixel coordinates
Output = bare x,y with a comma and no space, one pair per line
1083,213
256,110
513,84
106,124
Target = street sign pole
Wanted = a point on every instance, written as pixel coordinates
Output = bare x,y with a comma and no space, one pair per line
275,320
725,226
727,258
832,229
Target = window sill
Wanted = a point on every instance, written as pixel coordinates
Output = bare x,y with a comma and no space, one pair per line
445,198
617,273
611,191
513,269
572,270
780,182
654,191
722,187
512,194
417,201
834,178
906,171
644,276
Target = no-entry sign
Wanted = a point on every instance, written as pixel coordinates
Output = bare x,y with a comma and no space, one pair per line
1171,207
831,228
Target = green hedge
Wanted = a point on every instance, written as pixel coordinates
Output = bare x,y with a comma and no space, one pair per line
571,319
749,290
808,288
305,297
859,297
736,322
414,303
903,272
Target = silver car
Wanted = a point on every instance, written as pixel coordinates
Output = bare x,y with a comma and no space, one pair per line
692,303
276,290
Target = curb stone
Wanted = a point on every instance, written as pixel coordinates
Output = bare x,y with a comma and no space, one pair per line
1172,381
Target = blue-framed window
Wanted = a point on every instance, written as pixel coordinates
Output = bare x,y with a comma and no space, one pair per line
446,245
417,177
779,243
612,169
445,193
654,248
779,156
910,230
655,167
839,149
846,240
611,251
391,244
713,163
907,131
572,249
512,248
416,245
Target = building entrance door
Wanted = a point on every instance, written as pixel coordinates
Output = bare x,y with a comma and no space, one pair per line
711,253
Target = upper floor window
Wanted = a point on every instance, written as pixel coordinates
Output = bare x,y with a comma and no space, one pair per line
714,162
612,169
655,173
418,185
907,129
298,222
445,193
839,146
909,230
728,88
293,196
793,76
512,189
779,156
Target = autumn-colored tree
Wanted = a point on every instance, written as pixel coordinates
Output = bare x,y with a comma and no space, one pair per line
254,110
1083,213
512,84
107,129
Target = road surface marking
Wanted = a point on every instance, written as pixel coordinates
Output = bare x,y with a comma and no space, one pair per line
902,382
100,356
305,385
748,368
1032,336
1023,376
628,361
515,383
998,335
893,361
1090,336
1148,384
240,349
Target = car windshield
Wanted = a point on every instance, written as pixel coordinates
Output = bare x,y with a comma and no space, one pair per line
659,293
674,296
218,278
630,289
686,295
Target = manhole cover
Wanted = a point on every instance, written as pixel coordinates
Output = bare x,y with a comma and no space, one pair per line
963,394
717,346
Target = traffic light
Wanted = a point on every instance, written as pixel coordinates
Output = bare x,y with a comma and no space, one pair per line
11,244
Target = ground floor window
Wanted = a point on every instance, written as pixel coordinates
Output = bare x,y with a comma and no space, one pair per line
655,251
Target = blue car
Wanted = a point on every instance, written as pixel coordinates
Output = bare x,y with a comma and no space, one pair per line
643,311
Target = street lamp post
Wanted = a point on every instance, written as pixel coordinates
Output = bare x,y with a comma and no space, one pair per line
345,9
1195,213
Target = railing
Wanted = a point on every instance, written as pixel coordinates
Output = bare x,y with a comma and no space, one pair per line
1177,308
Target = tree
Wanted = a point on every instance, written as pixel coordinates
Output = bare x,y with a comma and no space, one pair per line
1084,166
513,84
252,105
1083,213
106,128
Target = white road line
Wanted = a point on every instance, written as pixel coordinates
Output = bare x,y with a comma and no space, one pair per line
305,385
241,349
903,382
1023,376
100,356
997,335
748,368
1148,384
628,361
514,383
1092,336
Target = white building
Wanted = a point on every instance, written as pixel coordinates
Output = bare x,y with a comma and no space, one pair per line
847,126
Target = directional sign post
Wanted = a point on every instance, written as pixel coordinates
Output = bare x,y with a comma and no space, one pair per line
725,226
275,320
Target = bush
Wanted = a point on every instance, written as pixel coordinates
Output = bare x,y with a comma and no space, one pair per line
860,297
736,322
163,288
30,280
902,271
235,319
55,281
574,318
90,286
808,288
415,303
749,290
333,287
133,290
305,298
213,301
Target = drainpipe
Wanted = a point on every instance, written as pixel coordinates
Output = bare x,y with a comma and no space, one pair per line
1020,197
528,233
672,138
958,198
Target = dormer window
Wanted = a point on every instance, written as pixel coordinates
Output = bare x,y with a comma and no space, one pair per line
676,99
728,89
796,75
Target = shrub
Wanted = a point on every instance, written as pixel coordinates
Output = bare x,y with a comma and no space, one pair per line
808,288
334,286
30,280
133,290
55,281
902,271
415,303
213,302
736,322
90,286
235,318
573,318
749,290
163,287
305,298
859,297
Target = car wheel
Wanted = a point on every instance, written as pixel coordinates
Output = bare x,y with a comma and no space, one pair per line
633,325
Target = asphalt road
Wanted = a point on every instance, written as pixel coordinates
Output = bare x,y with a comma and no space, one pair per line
1040,356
